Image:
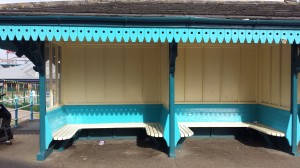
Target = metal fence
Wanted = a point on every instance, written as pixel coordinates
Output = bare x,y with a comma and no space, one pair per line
26,103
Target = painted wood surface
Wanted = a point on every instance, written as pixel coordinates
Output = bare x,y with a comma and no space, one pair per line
118,74
226,73
216,73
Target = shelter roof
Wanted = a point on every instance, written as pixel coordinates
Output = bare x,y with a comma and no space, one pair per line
198,8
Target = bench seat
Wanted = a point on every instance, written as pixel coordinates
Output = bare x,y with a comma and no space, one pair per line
69,130
185,131
267,130
256,126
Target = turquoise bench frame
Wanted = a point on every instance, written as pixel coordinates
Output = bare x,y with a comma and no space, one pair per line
95,114
60,116
276,118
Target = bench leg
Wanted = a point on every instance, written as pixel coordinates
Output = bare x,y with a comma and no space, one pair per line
65,143
180,143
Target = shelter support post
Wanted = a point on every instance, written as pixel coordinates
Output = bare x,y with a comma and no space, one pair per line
294,96
35,51
172,61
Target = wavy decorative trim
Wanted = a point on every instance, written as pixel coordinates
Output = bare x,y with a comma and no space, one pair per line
104,34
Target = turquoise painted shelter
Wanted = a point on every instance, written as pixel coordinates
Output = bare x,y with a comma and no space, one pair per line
166,68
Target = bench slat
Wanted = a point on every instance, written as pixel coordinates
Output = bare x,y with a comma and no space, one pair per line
267,130
151,131
259,127
157,130
154,130
185,131
71,133
214,124
61,132
68,131
182,132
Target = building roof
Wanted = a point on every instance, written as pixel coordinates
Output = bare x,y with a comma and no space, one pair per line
20,72
209,9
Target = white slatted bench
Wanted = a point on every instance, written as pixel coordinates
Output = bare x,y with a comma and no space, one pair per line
256,126
69,130
185,131
267,130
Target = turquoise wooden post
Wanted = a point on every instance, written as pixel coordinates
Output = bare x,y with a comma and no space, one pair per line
294,97
31,105
44,152
16,111
172,59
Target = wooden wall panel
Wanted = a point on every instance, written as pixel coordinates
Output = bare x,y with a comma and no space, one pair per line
266,87
114,69
229,89
212,74
247,81
114,74
275,75
179,76
193,80
151,75
75,75
133,75
95,86
165,75
260,75
286,76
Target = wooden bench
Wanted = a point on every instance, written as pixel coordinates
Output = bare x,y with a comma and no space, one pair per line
185,131
256,126
69,130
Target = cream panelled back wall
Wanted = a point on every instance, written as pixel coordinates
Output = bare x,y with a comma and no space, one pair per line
239,73
205,73
114,74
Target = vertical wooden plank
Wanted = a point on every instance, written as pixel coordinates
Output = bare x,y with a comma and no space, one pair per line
179,76
133,75
230,74
76,75
266,74
114,75
193,74
63,73
212,74
247,78
286,76
260,74
151,75
275,76
165,75
95,76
